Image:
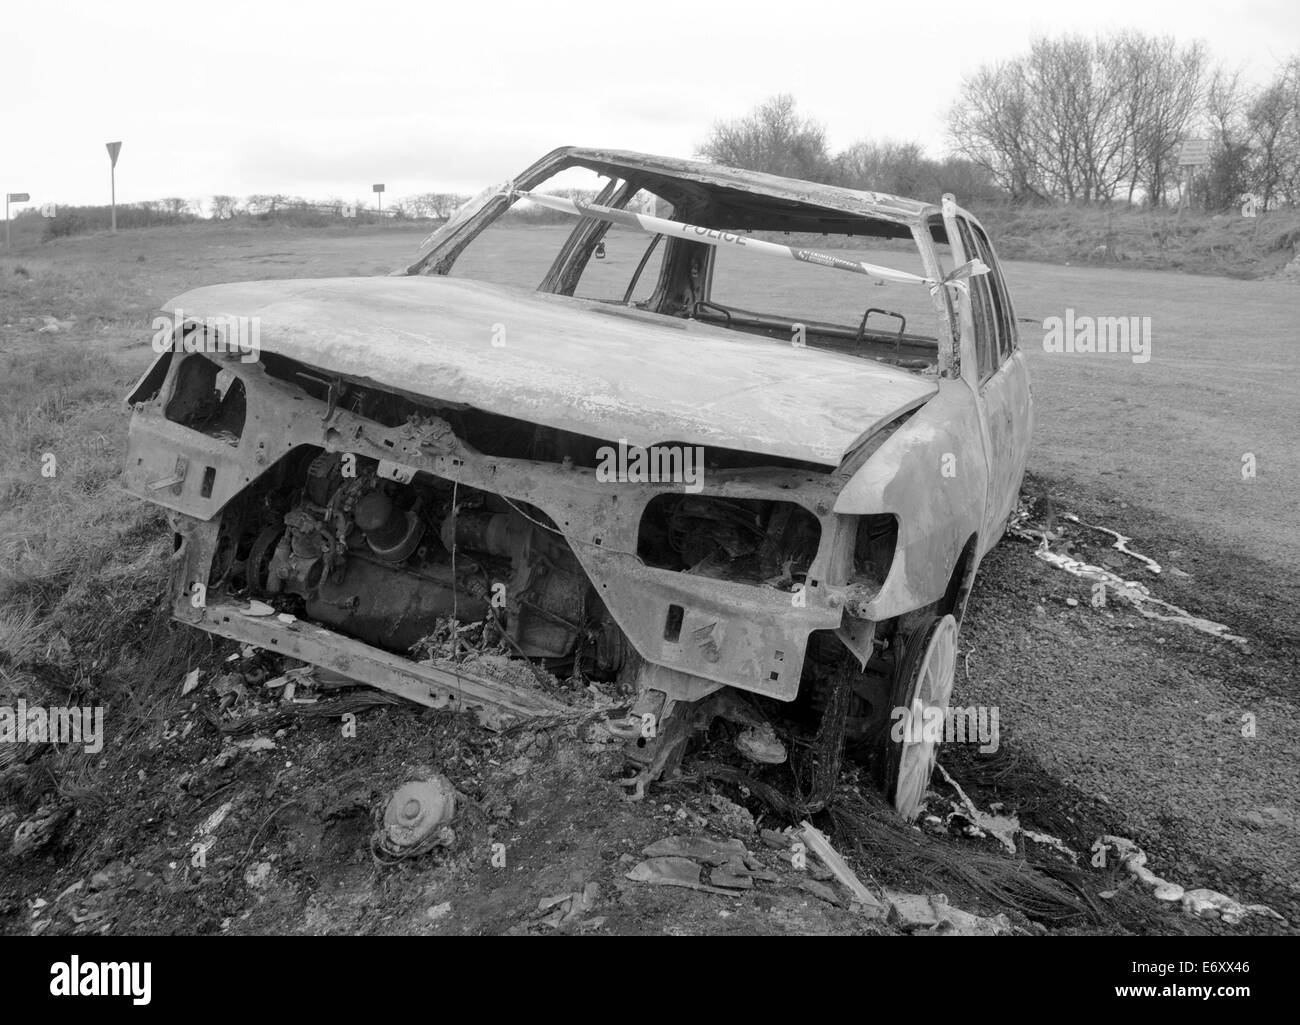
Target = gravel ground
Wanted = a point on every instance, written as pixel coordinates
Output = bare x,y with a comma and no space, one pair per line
1148,717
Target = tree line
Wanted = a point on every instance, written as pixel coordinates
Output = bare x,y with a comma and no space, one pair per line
426,205
1074,119
775,137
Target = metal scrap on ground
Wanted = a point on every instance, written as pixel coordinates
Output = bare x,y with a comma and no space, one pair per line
416,818
1201,903
821,846
1004,827
933,914
732,869
1130,590
1121,542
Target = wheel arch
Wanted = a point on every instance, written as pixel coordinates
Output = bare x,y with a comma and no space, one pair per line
962,580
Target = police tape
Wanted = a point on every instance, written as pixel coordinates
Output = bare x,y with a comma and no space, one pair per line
714,237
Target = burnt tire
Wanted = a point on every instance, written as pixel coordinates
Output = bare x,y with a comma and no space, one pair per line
907,750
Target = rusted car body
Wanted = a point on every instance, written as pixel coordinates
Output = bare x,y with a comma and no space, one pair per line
428,445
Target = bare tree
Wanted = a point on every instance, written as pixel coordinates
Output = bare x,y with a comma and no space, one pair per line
1289,163
439,205
1079,118
1274,133
266,203
989,124
775,138
224,207
1229,176
1179,83
900,168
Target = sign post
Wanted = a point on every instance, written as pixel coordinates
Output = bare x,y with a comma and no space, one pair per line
379,195
1192,154
12,197
113,149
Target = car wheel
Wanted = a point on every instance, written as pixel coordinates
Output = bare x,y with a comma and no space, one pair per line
909,749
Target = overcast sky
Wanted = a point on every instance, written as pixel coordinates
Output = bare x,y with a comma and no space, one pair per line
324,99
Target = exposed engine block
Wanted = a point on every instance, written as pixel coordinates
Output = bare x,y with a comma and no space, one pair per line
383,561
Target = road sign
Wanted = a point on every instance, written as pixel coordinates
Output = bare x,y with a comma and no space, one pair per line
377,188
114,148
12,197
49,210
1194,153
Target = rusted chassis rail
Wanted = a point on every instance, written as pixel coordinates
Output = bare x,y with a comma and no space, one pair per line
730,633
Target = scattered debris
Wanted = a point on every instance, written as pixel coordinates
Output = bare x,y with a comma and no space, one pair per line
732,817
760,744
822,892
191,682
256,744
258,874
111,876
731,866
1121,542
732,875
258,608
36,831
438,911
1131,591
210,825
1051,841
817,842
1137,595
674,871
933,914
566,908
417,816
697,848
1003,827
1200,903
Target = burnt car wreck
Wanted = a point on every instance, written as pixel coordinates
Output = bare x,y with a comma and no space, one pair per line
436,443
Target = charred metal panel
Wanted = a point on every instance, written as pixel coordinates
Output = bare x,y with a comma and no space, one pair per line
646,378
932,474
732,633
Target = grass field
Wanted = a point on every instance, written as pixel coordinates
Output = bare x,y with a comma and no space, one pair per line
1153,449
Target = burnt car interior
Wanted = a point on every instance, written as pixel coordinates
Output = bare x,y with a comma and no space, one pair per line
631,272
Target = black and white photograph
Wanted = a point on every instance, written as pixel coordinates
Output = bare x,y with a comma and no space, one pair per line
591,471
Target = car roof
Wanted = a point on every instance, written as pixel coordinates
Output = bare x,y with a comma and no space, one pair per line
731,195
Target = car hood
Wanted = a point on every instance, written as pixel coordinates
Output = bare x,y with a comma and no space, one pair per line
605,371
